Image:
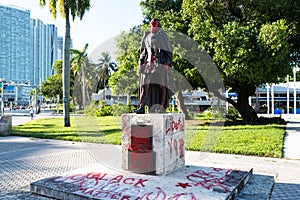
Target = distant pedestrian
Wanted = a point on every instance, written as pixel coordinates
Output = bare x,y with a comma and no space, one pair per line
31,112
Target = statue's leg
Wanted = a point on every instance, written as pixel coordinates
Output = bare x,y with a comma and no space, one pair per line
144,90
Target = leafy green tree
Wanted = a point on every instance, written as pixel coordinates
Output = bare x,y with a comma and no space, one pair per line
125,79
159,9
249,41
67,8
31,93
52,86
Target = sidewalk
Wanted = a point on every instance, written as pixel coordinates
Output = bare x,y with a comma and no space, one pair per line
292,139
38,159
26,163
23,118
291,148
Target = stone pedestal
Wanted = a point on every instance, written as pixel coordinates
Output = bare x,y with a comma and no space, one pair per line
5,125
153,143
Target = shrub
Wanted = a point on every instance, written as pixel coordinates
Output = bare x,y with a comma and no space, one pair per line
91,110
232,113
121,108
213,113
114,110
105,111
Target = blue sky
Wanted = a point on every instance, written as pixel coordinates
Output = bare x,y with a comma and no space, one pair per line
105,20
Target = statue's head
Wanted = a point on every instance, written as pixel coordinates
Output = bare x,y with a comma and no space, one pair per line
154,25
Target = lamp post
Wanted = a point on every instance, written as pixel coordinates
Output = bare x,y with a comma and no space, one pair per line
295,69
83,87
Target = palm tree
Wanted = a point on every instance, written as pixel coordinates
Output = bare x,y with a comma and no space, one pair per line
79,60
105,67
67,8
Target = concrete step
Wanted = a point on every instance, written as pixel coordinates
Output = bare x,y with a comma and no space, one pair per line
258,187
189,182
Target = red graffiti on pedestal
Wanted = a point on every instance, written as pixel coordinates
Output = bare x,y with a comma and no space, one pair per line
190,196
173,125
101,185
216,179
173,143
141,162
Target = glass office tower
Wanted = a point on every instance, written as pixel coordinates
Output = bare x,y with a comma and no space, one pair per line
28,51
14,43
44,50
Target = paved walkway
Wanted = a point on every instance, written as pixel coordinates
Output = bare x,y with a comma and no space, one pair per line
24,160
291,148
24,117
292,139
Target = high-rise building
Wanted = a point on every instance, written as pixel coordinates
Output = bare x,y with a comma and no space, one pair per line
43,50
60,42
28,51
60,47
14,43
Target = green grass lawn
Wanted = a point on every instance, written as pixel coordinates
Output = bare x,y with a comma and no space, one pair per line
259,140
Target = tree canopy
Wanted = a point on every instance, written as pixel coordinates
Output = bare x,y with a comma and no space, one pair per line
251,42
52,86
124,80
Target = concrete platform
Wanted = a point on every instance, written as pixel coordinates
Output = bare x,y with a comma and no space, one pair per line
99,182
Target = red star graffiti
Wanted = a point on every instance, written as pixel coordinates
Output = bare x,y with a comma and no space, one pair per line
183,185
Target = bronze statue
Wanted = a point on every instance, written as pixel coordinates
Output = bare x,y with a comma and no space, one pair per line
156,84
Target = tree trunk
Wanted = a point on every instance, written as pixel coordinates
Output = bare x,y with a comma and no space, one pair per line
83,86
66,72
246,111
180,105
244,91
